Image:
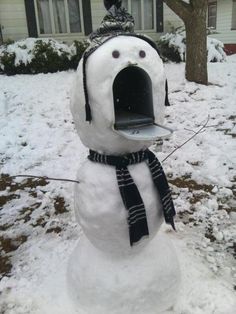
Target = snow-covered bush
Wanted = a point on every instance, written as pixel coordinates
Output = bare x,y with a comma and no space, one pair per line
32,55
215,50
173,47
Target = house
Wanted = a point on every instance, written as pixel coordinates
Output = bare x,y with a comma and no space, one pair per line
222,19
68,20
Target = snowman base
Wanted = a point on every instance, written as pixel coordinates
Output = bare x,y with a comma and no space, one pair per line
142,282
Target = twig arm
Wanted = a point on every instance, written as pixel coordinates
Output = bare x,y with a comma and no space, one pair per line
188,140
43,177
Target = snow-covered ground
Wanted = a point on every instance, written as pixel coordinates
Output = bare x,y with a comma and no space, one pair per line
37,224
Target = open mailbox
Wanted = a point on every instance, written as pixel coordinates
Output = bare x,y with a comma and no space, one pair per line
133,106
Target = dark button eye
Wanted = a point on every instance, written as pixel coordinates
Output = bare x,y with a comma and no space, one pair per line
142,54
115,54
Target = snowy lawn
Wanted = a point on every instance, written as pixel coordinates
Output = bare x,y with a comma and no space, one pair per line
37,224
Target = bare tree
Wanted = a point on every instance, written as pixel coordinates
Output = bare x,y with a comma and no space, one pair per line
193,13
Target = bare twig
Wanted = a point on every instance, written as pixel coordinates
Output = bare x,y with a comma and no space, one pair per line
188,140
212,126
43,177
195,132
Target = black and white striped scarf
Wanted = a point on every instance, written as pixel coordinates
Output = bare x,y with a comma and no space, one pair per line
131,197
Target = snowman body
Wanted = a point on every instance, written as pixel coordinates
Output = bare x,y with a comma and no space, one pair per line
105,274
104,218
145,281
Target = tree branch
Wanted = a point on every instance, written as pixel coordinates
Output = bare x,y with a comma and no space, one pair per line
181,8
198,4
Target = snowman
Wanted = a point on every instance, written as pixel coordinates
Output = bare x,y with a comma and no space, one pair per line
122,264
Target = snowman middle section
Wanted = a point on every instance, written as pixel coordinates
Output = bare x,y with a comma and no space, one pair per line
101,212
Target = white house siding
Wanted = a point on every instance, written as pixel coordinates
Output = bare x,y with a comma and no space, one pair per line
13,19
224,22
171,20
98,12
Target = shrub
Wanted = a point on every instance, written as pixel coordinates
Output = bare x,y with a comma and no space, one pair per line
79,48
6,61
170,49
173,47
215,49
31,56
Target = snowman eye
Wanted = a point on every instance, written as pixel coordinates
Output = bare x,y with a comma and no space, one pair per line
116,54
142,54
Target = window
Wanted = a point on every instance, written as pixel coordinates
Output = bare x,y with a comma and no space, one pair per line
234,15
143,12
212,11
58,16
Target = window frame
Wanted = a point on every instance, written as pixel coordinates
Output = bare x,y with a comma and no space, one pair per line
53,33
233,19
1,36
212,3
142,16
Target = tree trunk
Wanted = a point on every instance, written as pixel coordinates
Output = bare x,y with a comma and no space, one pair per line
196,49
193,14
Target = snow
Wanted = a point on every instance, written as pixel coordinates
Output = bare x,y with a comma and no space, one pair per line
38,137
131,285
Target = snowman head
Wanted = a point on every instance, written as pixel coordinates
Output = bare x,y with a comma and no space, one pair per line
119,92
125,85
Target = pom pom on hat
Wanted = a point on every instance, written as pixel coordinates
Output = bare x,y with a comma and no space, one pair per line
109,3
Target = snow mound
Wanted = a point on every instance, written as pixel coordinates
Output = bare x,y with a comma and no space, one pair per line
38,137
